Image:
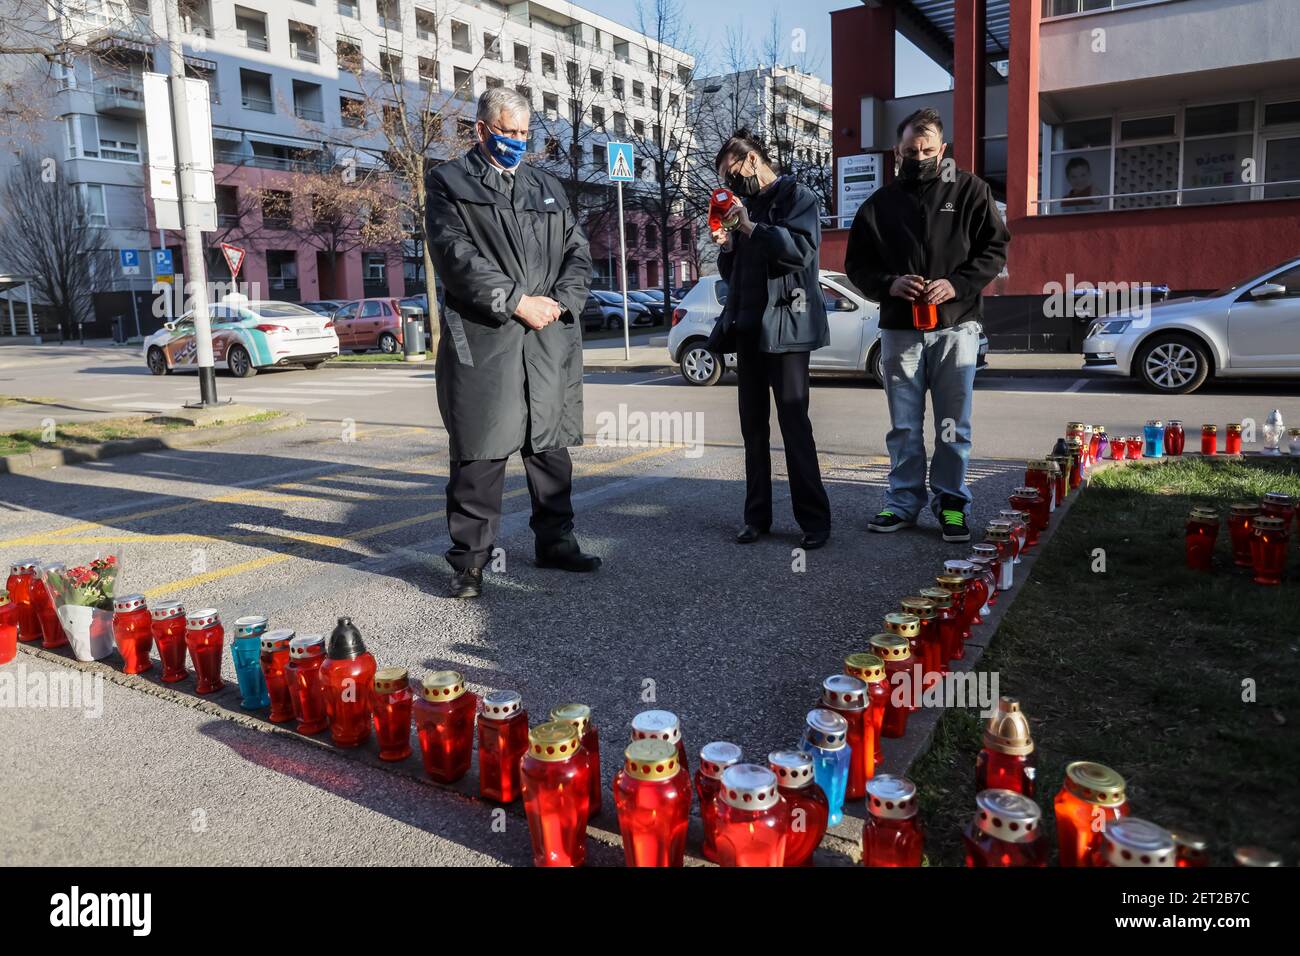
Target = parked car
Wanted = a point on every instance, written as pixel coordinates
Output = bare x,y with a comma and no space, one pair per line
854,326
324,306
246,336
365,324
604,310
1248,330
652,299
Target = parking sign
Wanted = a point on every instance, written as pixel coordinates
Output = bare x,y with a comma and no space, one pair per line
162,263
130,260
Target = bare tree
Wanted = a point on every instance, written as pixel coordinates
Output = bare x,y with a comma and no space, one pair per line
793,117
46,233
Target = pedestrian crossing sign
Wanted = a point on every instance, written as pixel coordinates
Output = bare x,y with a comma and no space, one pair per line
619,162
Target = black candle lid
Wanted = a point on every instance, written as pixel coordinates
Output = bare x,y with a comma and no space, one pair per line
345,643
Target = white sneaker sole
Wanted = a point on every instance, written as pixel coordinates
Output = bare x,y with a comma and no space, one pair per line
956,538
882,529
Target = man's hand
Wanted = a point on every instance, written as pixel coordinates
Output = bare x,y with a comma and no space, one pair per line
739,220
723,238
537,311
907,287
938,291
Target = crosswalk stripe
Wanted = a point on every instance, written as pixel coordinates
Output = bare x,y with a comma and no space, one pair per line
319,394
147,406
109,398
281,400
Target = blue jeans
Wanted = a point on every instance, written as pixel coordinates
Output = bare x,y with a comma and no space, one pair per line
943,363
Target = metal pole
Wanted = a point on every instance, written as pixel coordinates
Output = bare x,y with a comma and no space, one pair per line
622,268
9,296
195,267
135,311
31,317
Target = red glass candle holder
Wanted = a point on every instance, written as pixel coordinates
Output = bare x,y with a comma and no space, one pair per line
1028,501
1191,849
1061,477
205,638
168,624
891,834
925,316
753,820
391,702
580,716
1118,448
553,779
273,657
906,625
1175,439
1091,798
897,655
1020,527
927,649
133,633
47,615
502,742
21,584
1038,475
848,697
1232,441
1201,531
1241,530
1278,505
809,808
444,722
661,725
1077,470
652,795
1135,843
981,591
944,632
1007,760
306,655
1268,549
1209,439
347,677
8,628
1134,443
955,584
870,669
715,757
1005,831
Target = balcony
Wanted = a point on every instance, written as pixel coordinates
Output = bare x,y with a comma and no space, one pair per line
121,95
254,41
310,113
306,53
258,104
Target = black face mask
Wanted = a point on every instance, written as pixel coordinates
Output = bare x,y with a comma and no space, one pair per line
743,185
918,170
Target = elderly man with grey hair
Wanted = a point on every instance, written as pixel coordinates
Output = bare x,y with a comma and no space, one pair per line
515,268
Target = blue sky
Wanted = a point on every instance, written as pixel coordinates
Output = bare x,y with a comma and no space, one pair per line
709,20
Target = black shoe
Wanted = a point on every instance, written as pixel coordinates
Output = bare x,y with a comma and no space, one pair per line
749,534
567,558
812,540
467,583
952,518
887,521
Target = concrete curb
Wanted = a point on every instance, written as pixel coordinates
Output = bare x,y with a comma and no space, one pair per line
43,459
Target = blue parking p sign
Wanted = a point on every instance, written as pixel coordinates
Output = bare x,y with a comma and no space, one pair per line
162,262
130,260
619,162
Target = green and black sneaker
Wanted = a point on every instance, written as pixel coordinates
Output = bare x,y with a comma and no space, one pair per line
887,521
953,522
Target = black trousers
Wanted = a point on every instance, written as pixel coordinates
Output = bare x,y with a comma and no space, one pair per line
474,504
785,375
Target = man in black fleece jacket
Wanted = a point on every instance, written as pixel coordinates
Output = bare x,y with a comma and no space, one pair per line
931,237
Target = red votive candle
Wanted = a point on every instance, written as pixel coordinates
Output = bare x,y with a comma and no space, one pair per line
870,669
1202,530
1029,500
580,716
1278,505
205,638
1191,849
661,725
955,584
1007,760
892,834
1209,439
392,713
306,655
809,808
1091,798
1134,443
502,742
753,820
928,648
444,722
944,633
21,584
132,632
1118,448
1241,530
1232,443
274,659
848,697
906,625
47,615
553,781
652,795
1268,549
347,678
897,655
1038,475
168,626
715,757
8,628
1005,831
1175,439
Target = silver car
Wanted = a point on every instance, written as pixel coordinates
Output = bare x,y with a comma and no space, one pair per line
1248,330
854,326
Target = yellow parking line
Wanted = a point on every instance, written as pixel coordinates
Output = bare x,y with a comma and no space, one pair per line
316,541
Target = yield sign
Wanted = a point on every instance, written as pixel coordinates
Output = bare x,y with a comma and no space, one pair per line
234,258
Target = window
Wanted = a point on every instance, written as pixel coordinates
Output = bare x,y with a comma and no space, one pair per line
638,92
638,168
348,8
460,37
548,65
492,47
307,104
620,124
119,139
227,206
390,65
633,232
571,72
373,310
684,237
652,234
255,91
638,127
494,83
428,68
618,87
251,27
598,117
302,42
527,93
552,148
352,111
551,106
277,208
389,13
523,57
282,269
598,81
376,272
464,83
426,24
598,156
1218,139
348,53
1149,167
92,197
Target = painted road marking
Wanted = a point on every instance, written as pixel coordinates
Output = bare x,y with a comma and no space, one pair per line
109,398
1078,384
147,406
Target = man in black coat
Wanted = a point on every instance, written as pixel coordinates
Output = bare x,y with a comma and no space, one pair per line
932,237
515,268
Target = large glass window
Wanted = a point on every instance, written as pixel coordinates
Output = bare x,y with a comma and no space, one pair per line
1218,141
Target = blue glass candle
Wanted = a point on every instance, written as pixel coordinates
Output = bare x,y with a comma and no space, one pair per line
246,652
825,739
1153,440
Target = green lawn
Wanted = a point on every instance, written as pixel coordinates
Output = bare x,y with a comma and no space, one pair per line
96,431
1142,667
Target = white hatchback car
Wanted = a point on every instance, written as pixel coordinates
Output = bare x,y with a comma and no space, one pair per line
854,326
1248,330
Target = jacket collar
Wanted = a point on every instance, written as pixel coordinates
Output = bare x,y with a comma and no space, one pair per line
491,175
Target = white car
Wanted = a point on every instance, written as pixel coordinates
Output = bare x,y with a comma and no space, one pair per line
854,326
246,336
1248,330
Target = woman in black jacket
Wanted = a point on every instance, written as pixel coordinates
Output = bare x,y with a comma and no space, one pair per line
773,319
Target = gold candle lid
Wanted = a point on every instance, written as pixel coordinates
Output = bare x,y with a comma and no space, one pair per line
391,679
442,686
553,741
1007,731
920,606
891,647
940,597
904,625
1094,783
1268,523
1234,426
1204,515
577,714
651,760
865,667
1245,509
1209,429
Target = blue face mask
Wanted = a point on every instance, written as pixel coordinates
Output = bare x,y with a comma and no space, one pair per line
506,151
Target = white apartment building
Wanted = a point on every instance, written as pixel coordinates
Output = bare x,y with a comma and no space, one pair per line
280,88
